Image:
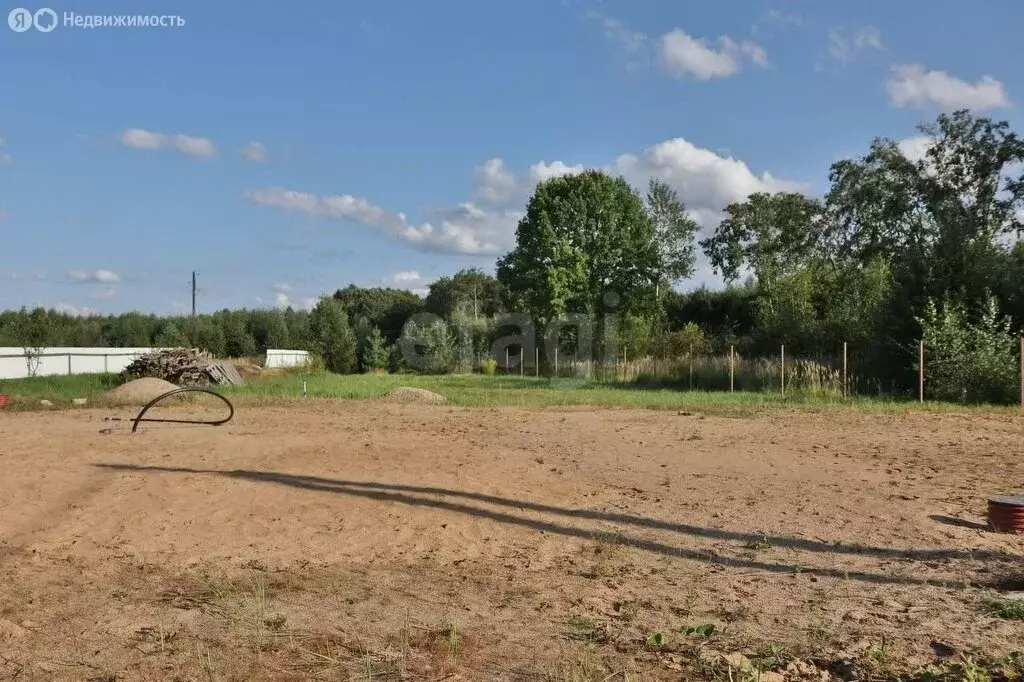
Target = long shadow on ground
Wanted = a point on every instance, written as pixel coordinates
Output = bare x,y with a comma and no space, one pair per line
400,494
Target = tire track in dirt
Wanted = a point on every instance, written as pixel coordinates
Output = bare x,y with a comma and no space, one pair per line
14,542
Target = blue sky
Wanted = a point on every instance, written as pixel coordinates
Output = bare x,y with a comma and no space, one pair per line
284,150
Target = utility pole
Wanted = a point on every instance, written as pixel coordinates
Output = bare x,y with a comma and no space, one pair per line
193,293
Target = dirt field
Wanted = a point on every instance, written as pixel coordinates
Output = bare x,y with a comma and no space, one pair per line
357,540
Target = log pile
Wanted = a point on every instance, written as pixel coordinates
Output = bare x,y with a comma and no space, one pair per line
183,367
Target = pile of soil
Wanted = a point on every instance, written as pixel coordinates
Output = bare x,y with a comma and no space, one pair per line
139,391
406,394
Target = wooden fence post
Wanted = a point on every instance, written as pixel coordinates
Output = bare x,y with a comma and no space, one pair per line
69,364
920,372
506,359
556,361
691,366
536,361
844,370
783,356
522,352
732,370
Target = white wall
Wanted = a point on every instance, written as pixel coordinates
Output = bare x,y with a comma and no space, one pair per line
82,361
14,365
286,358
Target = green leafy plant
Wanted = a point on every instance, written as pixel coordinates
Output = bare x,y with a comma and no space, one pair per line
705,631
1008,609
656,639
490,366
965,361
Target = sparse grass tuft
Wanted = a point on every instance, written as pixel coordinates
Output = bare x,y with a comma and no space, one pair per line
1008,609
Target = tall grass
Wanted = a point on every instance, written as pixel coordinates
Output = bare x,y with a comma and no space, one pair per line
60,390
712,373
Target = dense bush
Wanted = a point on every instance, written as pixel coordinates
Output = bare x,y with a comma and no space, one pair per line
967,361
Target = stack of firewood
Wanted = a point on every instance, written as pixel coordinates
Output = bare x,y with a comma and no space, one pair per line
183,367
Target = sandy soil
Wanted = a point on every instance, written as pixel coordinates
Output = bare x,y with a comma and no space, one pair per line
329,540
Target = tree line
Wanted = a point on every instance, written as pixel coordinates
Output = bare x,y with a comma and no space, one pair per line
898,250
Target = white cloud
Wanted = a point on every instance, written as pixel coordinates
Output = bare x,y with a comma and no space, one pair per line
255,152
194,146
868,37
616,31
136,138
75,311
915,148
465,228
705,180
411,280
909,85
683,55
845,48
37,276
284,297
405,277
93,277
496,185
634,44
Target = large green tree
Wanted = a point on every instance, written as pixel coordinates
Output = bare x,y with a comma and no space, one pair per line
674,232
769,235
471,292
584,236
385,308
940,217
332,336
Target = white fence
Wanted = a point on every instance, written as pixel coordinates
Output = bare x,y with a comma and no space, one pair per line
286,358
16,364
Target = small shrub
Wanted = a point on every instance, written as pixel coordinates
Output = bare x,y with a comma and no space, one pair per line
490,366
376,354
972,362
1007,609
429,348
